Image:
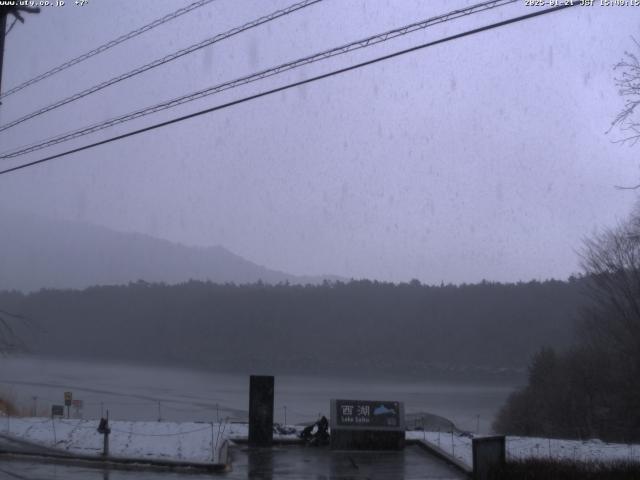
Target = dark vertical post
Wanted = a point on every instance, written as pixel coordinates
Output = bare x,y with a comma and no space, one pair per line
261,410
105,445
103,428
3,30
489,456
105,442
15,10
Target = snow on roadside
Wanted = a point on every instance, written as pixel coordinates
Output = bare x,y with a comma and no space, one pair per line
240,431
185,441
532,447
199,442
195,442
582,450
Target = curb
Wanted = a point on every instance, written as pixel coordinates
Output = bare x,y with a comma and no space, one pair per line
51,455
35,447
114,463
441,454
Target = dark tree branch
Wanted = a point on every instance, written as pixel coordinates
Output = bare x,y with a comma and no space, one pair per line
628,84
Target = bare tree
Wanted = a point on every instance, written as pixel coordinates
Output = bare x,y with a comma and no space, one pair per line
612,262
628,83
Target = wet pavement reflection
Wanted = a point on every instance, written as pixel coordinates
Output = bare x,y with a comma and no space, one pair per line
278,462
321,463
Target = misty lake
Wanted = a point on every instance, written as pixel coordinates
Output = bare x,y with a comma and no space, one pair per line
136,392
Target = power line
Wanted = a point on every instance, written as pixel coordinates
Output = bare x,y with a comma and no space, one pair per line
106,46
341,50
293,85
161,61
14,315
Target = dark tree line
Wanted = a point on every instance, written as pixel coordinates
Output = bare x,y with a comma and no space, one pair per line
476,331
592,389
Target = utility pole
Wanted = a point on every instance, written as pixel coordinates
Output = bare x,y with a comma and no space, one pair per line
14,10
3,29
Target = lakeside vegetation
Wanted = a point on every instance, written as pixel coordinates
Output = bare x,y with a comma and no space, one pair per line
550,469
591,390
481,331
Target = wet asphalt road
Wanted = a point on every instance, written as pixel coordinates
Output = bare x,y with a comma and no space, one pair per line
290,462
312,463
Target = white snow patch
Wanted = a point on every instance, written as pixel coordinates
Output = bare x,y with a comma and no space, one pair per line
194,442
186,442
532,447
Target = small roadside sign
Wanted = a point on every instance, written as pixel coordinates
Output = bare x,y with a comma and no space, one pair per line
57,410
67,398
77,403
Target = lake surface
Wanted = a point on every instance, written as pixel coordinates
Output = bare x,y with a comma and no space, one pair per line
134,392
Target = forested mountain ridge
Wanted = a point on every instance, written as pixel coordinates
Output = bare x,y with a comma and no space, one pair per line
359,326
37,252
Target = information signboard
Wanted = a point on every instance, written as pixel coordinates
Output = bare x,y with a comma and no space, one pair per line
67,398
57,410
367,425
366,413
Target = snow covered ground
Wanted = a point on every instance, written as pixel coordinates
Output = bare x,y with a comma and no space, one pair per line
194,442
199,442
527,447
184,442
240,431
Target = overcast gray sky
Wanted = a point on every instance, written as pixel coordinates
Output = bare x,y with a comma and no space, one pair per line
485,157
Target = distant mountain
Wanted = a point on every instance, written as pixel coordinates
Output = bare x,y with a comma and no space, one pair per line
37,252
